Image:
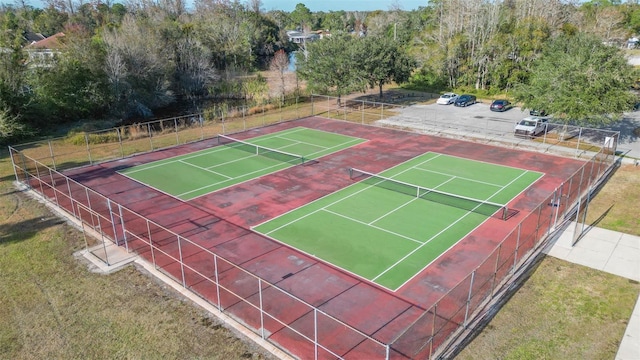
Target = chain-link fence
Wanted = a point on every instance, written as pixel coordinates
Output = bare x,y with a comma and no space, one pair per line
38,165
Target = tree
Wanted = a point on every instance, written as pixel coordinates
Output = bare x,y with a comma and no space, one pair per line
11,127
280,65
71,86
579,79
301,17
385,61
333,64
193,68
140,66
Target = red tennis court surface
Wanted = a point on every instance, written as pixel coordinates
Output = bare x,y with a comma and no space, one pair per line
221,222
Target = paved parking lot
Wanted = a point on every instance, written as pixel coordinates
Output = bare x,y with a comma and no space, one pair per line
478,121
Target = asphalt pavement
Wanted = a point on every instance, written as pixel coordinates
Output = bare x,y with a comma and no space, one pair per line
601,249
478,121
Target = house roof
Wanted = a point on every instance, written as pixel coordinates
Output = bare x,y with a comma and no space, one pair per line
52,42
32,37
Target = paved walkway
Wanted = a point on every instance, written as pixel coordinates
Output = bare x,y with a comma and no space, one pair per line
611,252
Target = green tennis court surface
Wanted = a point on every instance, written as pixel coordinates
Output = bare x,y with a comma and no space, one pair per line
387,233
199,173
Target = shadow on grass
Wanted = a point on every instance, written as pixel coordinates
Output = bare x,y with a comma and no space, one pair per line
26,229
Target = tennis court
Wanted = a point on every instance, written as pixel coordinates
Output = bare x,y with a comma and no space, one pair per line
388,227
199,173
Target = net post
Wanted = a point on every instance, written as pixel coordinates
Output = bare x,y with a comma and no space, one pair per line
350,173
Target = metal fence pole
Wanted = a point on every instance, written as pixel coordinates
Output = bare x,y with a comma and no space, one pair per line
53,186
113,222
578,144
184,280
261,309
153,254
175,127
124,230
515,251
496,268
150,136
315,333
104,246
466,311
86,140
73,209
215,272
53,157
120,142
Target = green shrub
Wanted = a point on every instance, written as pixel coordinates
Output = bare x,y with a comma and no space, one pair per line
102,138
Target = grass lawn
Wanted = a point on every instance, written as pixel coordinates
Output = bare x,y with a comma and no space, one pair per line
53,307
568,311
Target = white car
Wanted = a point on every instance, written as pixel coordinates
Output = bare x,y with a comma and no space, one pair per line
447,98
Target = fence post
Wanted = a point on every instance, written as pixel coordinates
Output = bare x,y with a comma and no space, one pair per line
124,230
495,268
315,333
86,140
153,254
53,186
215,268
261,309
113,223
53,157
184,281
578,144
466,311
175,128
104,247
201,122
120,143
73,208
515,251
150,136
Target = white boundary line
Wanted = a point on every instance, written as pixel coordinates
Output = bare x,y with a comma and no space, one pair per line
205,152
416,167
452,245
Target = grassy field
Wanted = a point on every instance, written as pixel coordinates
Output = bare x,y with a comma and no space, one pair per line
53,307
568,311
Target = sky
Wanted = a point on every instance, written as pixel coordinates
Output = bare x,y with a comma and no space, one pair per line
313,5
355,5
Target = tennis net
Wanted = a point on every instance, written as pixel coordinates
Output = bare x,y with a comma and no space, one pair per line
483,207
261,150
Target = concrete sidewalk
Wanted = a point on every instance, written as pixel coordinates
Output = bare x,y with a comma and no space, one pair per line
611,252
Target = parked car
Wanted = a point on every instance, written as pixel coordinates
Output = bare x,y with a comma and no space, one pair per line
465,100
500,105
531,126
447,98
537,112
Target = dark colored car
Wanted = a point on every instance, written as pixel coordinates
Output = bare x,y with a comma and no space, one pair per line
536,112
500,105
465,100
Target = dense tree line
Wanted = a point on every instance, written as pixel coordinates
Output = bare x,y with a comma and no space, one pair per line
128,60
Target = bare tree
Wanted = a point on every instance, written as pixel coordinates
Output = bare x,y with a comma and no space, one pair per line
137,56
280,64
194,69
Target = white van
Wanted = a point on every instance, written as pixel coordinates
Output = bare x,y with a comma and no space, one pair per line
531,126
